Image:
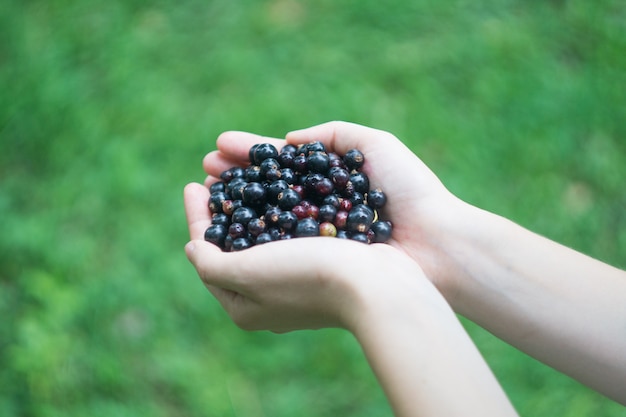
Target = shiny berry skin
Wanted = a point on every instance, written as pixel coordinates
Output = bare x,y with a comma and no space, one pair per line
235,188
264,151
221,218
318,162
216,200
287,175
299,164
381,231
236,230
376,199
274,189
287,221
288,199
219,186
263,238
216,234
271,216
354,159
324,187
243,215
300,211
341,219
327,213
256,226
339,177
360,218
360,181
241,243
359,237
253,193
307,227
331,200
311,147
268,165
253,174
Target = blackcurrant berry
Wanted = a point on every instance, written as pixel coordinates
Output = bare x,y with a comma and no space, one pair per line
376,199
307,227
216,187
241,243
253,193
243,215
264,151
216,234
354,159
287,221
288,199
318,162
360,218
360,181
381,231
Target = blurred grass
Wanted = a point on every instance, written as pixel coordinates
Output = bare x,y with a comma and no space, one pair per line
107,108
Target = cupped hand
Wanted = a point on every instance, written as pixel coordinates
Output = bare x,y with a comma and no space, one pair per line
304,283
419,206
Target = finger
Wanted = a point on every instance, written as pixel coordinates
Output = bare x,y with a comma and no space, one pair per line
340,137
216,162
196,198
235,145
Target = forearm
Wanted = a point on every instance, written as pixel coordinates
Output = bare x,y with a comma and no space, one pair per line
566,309
424,359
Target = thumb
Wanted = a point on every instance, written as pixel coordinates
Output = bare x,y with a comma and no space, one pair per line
212,264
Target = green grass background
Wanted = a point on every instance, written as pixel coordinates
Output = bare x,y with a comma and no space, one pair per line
107,108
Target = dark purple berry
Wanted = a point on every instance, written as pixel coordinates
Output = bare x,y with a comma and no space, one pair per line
216,200
318,162
354,159
299,164
271,216
253,173
360,181
221,218
241,243
256,226
236,230
267,165
253,193
243,215
381,231
263,238
339,177
235,188
287,175
376,199
324,187
360,218
327,213
288,199
307,227
274,189
263,152
216,234
287,221
341,219
285,159
359,237
216,187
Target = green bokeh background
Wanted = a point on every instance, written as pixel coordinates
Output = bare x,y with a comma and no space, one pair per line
107,108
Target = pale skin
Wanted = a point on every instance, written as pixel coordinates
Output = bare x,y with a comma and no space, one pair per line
446,256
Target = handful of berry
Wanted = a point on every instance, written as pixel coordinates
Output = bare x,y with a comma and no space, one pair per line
298,192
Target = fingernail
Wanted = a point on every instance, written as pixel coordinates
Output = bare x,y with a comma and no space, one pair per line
190,247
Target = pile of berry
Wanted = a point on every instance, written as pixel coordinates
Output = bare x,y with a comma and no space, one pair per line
298,192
